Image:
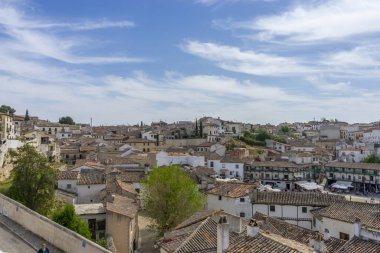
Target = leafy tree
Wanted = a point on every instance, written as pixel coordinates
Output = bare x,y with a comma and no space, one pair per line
285,129
7,109
67,218
34,180
371,159
201,129
66,120
170,196
196,127
26,118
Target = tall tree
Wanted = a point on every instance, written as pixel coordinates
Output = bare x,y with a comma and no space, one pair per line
196,127
201,129
170,196
34,180
26,118
67,218
66,120
7,109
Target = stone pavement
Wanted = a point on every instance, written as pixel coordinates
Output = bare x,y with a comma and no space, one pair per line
11,243
28,238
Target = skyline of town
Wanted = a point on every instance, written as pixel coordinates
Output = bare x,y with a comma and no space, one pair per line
241,60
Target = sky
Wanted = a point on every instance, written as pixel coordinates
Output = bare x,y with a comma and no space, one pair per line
126,61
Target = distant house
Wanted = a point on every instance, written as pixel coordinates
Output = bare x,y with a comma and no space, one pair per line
231,197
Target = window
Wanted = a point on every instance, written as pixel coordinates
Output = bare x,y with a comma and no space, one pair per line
231,173
286,177
304,209
236,166
242,214
220,197
212,164
344,236
371,178
242,199
267,176
68,186
272,208
89,186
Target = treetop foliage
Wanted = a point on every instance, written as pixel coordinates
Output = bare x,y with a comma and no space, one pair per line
7,109
66,120
170,196
34,180
68,218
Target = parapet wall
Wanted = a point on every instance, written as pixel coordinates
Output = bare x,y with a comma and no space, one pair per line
52,232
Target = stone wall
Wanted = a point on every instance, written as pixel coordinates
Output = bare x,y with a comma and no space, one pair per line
52,232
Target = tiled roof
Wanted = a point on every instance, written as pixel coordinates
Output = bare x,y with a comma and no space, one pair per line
126,187
267,243
232,190
296,198
279,164
231,159
123,205
131,176
68,175
347,211
197,217
366,166
294,232
357,245
91,178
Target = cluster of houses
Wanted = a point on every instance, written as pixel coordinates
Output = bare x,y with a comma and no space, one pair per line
255,195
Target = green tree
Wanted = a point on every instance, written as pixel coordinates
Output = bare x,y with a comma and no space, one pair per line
34,180
67,218
66,120
196,128
371,159
170,196
201,129
26,118
7,109
284,129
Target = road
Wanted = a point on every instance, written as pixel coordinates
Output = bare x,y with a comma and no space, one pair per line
10,243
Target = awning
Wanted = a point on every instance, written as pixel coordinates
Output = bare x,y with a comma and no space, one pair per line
309,185
344,185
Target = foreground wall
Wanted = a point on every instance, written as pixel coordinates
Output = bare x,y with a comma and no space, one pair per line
52,232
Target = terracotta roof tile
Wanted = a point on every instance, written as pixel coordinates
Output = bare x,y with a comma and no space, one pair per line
296,198
232,190
357,245
347,211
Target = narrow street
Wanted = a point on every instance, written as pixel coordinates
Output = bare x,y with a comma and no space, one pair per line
147,235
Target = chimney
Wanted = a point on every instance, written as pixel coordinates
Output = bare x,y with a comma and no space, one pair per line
223,235
146,169
357,227
326,235
254,196
318,244
252,228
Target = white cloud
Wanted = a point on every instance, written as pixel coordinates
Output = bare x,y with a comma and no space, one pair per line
320,20
249,62
22,36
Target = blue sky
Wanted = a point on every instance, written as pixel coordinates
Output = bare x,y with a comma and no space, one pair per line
124,61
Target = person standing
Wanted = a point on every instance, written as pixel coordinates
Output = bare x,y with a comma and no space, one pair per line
43,249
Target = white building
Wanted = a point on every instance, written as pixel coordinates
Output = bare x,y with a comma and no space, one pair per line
346,219
164,159
227,167
292,207
231,197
